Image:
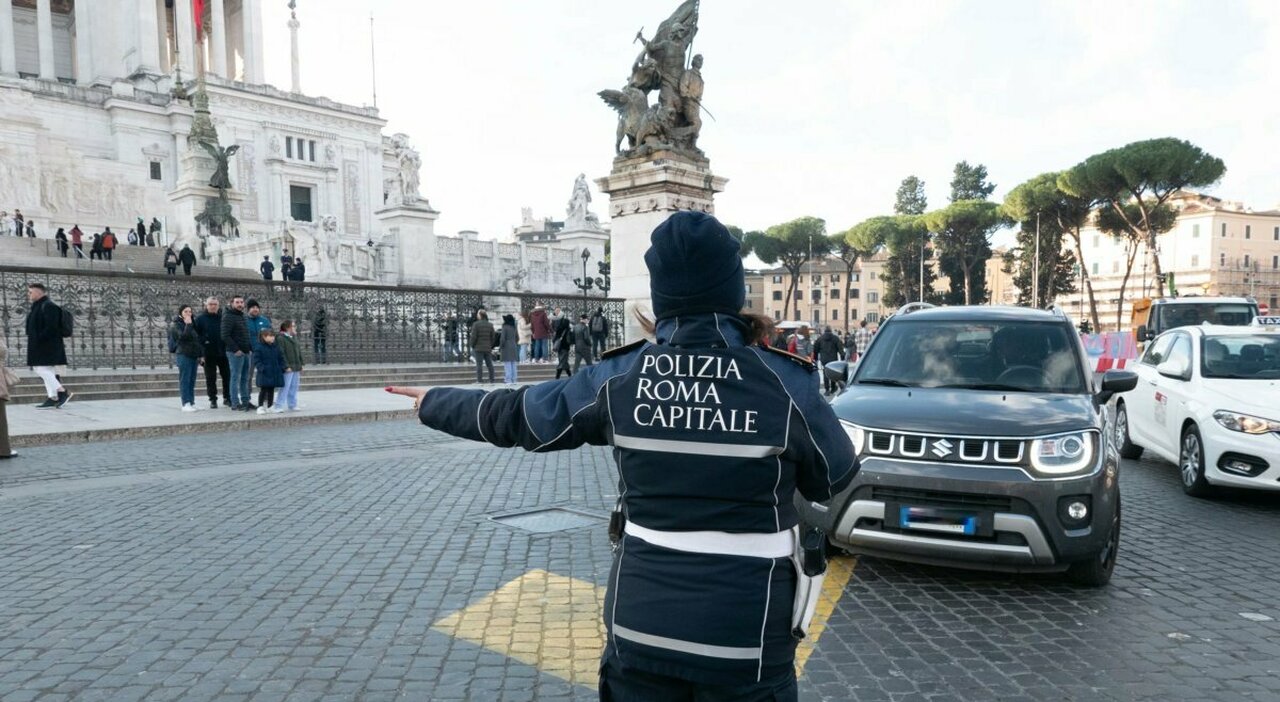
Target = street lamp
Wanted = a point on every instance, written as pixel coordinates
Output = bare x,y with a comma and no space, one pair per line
584,283
605,281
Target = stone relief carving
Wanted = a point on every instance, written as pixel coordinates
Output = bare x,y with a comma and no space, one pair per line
248,176
351,197
274,145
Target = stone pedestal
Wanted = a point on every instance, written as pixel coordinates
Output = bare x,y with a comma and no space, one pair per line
411,230
189,197
643,192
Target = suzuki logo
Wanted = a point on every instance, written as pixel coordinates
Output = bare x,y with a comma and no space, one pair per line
942,448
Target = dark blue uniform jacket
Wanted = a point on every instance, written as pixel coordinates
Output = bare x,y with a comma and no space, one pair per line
709,434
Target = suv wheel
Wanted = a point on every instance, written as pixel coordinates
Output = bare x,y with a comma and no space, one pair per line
1191,463
1097,571
1128,449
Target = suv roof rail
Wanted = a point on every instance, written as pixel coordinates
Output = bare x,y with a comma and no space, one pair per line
914,306
1058,311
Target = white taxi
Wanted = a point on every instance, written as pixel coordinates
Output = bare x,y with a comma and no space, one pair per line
1208,399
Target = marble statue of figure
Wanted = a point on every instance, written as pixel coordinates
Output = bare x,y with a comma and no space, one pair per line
221,178
329,232
577,214
409,163
513,281
274,144
691,98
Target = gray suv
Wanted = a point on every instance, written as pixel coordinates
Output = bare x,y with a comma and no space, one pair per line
984,444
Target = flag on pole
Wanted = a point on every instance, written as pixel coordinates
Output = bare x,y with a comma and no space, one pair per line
197,6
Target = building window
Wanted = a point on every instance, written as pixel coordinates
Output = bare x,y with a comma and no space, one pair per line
1275,262
1095,268
300,203
853,313
835,293
777,279
1115,267
817,316
872,275
873,317
288,146
1195,231
1273,303
799,294
1246,260
777,295
748,288
1222,260
1275,234
155,170
1097,240
873,297
312,144
853,294
1248,231
1195,260
777,316
835,314
835,277
858,276
817,295
1224,230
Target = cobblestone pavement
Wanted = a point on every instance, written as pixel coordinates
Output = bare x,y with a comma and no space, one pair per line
359,562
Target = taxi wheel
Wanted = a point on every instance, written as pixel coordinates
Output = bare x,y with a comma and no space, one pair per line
1128,449
1097,571
1191,463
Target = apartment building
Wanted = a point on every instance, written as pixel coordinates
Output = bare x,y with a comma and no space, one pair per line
824,289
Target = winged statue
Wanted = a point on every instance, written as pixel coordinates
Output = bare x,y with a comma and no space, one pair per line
221,157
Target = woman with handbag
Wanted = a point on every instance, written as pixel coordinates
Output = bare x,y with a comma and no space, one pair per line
8,381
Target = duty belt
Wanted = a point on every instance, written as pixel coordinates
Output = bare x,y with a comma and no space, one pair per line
774,545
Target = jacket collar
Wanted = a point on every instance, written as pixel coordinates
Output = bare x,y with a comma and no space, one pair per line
707,330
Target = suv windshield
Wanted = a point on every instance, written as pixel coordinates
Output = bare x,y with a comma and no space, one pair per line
1251,356
1010,356
1190,314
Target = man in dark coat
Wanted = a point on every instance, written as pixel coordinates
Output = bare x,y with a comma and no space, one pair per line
599,326
267,268
483,339
299,271
582,341
828,349
46,348
209,326
186,257
236,343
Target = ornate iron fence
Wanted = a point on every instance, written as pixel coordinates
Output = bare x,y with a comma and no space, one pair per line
123,320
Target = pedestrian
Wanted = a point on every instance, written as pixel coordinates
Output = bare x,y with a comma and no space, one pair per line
320,335
483,339
171,260
286,267
700,600
509,348
268,361
95,249
209,326
188,354
61,239
153,235
239,349
541,331
861,340
563,345
800,344
8,381
779,340
139,233
299,272
599,332
47,331
582,342
109,243
828,350
77,240
292,366
267,268
524,333
560,326
132,238
19,222
187,257
452,340
256,321
31,229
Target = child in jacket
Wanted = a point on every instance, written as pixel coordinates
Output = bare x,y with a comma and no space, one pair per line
292,365
268,360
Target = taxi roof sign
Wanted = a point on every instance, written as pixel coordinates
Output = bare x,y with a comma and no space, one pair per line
1272,322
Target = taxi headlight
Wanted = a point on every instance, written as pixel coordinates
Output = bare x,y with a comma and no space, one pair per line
1060,455
1245,423
856,434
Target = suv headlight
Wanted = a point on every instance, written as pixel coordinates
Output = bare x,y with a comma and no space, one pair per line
1060,455
1246,423
856,434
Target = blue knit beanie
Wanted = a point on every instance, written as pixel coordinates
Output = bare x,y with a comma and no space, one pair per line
694,267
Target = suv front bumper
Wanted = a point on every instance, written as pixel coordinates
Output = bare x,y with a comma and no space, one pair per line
1026,533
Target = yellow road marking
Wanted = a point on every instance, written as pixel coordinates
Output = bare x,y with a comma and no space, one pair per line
554,623
839,571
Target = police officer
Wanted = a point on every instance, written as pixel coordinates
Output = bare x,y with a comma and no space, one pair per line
713,433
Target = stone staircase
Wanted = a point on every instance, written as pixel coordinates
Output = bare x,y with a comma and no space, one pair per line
43,253
134,384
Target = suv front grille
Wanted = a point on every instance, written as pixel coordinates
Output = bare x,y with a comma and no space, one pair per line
933,498
943,449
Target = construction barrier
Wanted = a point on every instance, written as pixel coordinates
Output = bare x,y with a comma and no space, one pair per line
1110,350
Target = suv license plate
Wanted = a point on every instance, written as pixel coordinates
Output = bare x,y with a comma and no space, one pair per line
947,521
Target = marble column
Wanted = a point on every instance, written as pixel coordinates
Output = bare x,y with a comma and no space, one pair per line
8,48
83,44
249,16
184,30
44,32
218,38
148,31
293,47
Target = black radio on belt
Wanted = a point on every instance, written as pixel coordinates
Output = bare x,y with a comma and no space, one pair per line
617,521
813,551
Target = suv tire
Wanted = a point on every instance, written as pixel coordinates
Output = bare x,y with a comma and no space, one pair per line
1128,449
1191,463
1097,571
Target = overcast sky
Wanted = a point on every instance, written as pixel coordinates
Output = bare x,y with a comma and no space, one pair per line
821,107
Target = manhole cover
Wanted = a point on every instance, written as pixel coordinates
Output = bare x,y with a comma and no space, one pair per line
547,520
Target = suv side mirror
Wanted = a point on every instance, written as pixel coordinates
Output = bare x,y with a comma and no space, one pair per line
1145,334
1114,382
1176,368
837,371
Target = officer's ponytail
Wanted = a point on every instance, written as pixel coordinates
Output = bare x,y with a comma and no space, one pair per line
760,327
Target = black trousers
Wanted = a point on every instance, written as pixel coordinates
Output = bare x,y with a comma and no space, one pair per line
619,684
583,355
483,358
215,364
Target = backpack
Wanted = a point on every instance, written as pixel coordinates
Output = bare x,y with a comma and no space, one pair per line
597,324
66,322
173,342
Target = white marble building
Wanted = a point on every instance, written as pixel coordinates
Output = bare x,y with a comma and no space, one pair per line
91,133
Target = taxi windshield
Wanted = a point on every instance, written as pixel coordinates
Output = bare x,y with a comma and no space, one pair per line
1190,314
1004,356
1243,356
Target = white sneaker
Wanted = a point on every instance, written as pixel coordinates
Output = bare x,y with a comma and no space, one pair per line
296,409
262,410
188,408
276,410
